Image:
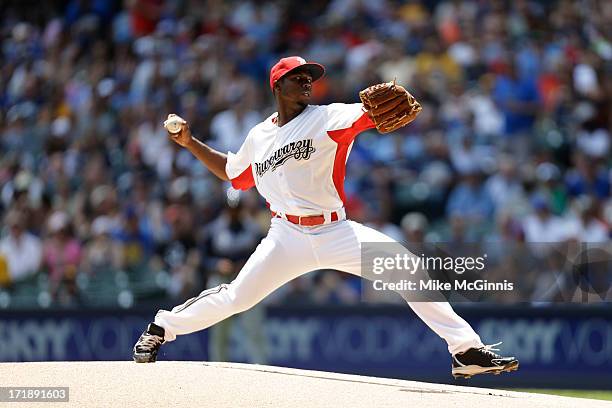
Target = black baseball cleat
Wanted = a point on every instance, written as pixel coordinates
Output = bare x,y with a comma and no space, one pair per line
482,360
147,346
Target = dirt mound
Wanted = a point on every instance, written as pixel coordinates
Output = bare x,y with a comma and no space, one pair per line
177,383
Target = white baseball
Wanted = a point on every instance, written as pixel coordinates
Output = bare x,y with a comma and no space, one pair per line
173,123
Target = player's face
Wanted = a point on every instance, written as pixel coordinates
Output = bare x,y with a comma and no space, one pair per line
297,86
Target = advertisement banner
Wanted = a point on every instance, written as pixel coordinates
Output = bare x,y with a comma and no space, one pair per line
556,346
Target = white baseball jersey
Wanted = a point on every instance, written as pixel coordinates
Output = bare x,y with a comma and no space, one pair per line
299,168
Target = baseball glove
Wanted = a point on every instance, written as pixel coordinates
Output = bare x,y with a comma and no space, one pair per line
390,106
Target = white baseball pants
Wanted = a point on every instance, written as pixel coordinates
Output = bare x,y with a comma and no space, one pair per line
290,251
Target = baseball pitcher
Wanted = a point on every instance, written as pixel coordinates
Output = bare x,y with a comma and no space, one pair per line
296,159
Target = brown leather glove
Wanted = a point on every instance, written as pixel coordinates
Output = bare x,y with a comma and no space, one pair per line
390,106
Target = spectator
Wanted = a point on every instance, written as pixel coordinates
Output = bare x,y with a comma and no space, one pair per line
505,187
21,250
181,255
100,254
133,241
230,240
519,100
594,139
466,157
542,228
229,128
587,177
584,224
470,199
62,254
414,227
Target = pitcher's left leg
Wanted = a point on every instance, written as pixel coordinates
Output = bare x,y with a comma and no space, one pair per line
344,253
340,248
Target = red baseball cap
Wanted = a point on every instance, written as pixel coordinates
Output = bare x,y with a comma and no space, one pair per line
288,64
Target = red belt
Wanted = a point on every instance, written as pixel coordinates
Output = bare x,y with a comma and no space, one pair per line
307,220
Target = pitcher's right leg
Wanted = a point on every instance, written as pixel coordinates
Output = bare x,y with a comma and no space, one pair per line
282,256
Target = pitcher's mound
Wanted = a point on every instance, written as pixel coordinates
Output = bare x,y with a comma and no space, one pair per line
190,384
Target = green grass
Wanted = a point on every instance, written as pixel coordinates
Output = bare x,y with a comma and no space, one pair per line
600,395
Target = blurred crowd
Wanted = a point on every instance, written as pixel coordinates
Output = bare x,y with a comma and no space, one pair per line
512,146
